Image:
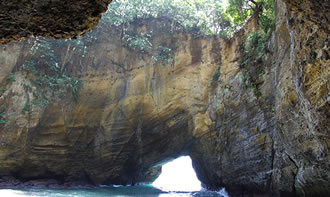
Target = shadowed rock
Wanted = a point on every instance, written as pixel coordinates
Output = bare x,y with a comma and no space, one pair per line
58,19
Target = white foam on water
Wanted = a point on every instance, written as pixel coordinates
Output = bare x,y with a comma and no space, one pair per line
223,192
12,193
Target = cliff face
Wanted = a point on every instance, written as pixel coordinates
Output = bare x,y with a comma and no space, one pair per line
50,18
269,135
131,114
282,134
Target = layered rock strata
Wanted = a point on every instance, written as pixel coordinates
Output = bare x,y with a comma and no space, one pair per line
133,113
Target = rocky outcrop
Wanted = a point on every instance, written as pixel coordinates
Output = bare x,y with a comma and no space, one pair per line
54,19
133,114
284,133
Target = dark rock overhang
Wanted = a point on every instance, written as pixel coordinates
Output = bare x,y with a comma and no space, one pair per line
58,19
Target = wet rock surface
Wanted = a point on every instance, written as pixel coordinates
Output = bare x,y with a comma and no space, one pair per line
54,19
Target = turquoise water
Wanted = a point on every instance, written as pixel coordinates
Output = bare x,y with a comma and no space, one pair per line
115,191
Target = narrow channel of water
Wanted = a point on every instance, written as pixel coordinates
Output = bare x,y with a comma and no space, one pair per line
178,179
115,191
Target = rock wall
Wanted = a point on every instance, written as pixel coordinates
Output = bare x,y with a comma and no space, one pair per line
49,18
134,114
131,115
282,134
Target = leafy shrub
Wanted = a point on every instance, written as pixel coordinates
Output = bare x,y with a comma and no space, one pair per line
3,119
254,50
215,76
163,55
267,16
26,108
255,44
11,77
49,80
241,10
139,42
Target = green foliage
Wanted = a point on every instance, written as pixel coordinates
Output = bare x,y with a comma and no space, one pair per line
29,65
250,80
241,10
163,55
203,16
3,119
255,45
216,74
260,73
11,77
254,51
50,81
26,108
273,109
40,102
267,16
247,78
206,17
2,90
139,42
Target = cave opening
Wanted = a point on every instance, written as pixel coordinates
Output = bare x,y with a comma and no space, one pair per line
178,175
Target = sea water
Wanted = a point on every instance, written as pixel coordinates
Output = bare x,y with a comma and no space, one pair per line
178,179
115,191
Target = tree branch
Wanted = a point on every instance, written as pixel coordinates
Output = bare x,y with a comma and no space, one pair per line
255,3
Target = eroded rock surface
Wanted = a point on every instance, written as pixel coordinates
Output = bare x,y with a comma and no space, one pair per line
284,133
134,113
49,18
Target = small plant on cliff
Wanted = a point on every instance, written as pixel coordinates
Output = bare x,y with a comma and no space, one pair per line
163,55
26,108
267,16
11,77
3,120
138,42
51,82
255,44
216,75
254,49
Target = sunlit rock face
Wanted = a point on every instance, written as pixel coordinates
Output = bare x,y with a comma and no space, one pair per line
287,128
50,18
133,113
303,97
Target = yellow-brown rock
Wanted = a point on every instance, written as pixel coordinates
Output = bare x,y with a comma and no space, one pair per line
134,114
